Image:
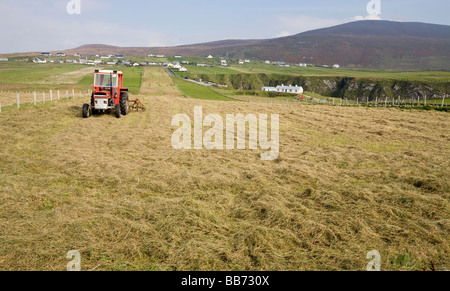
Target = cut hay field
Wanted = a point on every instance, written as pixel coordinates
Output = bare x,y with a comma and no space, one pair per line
347,181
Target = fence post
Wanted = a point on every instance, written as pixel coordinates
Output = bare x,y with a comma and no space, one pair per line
443,100
385,103
58,95
425,101
51,96
34,97
67,94
73,94
18,100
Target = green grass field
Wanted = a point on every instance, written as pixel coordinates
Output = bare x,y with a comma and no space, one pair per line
196,91
195,70
33,73
425,76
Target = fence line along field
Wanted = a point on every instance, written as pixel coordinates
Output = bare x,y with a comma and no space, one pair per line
347,181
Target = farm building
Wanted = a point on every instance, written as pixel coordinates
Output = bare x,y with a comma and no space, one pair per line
223,63
182,69
336,66
284,89
60,54
210,57
3,59
46,54
178,57
39,61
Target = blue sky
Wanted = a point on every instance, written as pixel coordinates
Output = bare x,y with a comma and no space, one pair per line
27,25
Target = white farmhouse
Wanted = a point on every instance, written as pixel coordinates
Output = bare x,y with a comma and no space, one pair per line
336,66
284,89
39,61
3,59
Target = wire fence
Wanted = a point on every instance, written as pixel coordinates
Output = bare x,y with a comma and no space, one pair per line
18,99
364,102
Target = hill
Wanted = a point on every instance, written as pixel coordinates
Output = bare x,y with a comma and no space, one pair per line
361,44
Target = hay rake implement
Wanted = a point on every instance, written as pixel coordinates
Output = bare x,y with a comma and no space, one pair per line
137,105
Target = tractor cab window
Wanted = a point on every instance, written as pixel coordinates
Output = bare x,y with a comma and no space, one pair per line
105,80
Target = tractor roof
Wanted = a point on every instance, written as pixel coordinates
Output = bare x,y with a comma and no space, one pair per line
108,72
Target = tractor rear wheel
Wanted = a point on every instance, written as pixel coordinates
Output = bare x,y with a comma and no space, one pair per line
86,111
117,108
124,103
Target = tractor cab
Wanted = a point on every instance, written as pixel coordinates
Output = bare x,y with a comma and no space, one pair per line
108,93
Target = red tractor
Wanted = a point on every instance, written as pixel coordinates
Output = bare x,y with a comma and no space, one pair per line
108,93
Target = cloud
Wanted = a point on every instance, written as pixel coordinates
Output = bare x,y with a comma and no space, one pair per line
49,27
368,17
284,33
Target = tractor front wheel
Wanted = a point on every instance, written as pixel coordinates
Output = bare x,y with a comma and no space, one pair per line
117,109
86,111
